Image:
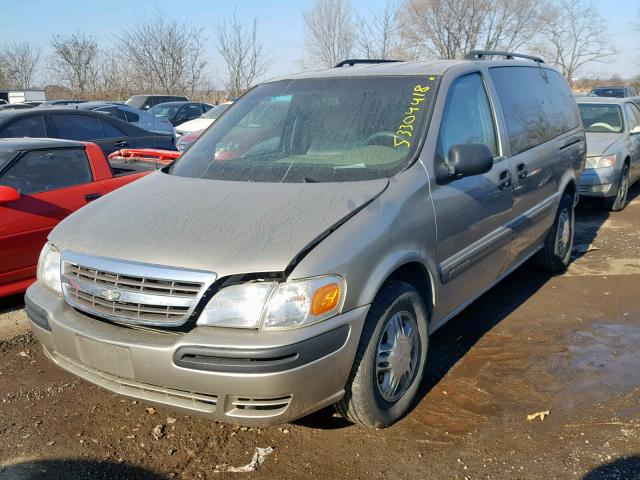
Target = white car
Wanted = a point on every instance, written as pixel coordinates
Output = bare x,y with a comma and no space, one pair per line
203,122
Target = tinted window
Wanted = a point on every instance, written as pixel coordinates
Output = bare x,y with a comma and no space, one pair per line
216,111
137,101
601,118
633,115
132,117
110,131
44,170
537,105
315,130
190,111
467,117
77,127
113,111
25,127
609,92
5,157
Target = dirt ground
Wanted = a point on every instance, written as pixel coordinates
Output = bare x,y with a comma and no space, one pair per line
569,345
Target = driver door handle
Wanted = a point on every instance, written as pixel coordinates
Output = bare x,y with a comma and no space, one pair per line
504,180
522,171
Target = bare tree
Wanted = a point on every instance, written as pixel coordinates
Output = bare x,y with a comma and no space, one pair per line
330,32
168,55
377,37
243,54
73,61
20,63
447,29
574,36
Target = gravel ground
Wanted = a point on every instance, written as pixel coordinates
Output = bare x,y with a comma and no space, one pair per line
566,344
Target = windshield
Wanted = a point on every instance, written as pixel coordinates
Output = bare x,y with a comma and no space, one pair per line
216,111
601,118
136,101
315,130
609,92
165,111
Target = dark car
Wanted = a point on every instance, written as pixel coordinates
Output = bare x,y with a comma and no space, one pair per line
145,102
15,106
179,112
109,133
615,91
59,103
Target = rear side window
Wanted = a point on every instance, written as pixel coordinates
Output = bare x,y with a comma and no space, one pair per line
25,127
633,115
467,117
537,105
132,117
45,170
77,127
110,131
114,112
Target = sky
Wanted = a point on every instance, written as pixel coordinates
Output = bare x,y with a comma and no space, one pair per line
280,25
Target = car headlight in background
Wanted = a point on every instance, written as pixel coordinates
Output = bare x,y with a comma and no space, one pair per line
48,272
276,306
603,161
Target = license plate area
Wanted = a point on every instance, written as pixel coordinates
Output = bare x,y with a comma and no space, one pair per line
105,357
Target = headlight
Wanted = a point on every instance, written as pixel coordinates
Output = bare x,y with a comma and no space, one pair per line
601,162
49,268
276,306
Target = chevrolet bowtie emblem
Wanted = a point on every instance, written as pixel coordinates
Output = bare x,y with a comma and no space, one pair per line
110,295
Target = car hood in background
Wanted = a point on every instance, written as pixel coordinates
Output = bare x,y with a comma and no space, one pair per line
220,226
194,125
598,143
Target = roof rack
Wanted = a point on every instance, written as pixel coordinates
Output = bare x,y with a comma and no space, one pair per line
363,61
480,54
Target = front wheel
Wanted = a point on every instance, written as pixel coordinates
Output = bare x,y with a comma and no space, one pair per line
556,253
390,360
617,203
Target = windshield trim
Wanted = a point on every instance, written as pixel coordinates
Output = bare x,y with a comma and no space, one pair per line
409,161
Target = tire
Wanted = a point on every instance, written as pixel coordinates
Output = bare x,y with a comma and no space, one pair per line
617,203
370,399
556,253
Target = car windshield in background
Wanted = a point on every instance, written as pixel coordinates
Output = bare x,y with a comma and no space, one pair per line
216,111
315,130
609,92
599,118
5,157
137,101
165,111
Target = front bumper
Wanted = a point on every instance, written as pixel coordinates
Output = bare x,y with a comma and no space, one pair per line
238,376
599,182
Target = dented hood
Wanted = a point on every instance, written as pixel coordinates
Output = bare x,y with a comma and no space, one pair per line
220,226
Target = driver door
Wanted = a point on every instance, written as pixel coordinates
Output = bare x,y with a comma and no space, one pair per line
52,184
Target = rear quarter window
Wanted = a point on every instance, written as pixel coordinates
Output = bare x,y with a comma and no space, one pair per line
77,127
32,126
537,105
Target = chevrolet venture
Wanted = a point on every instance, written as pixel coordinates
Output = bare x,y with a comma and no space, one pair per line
303,250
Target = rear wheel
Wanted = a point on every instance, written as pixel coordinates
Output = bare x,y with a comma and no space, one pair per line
617,203
390,361
556,253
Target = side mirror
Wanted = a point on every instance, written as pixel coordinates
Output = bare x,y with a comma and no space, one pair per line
635,129
8,194
470,159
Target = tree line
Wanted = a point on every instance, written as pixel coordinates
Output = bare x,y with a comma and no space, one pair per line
168,56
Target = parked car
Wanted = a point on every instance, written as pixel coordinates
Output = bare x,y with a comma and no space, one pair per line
310,267
139,118
41,182
203,121
145,102
15,106
613,91
59,103
109,133
185,141
613,149
176,113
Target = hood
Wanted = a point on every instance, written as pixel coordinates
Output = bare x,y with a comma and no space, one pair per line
598,143
194,125
220,226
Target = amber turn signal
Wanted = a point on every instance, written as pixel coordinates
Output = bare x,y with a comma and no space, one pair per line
325,299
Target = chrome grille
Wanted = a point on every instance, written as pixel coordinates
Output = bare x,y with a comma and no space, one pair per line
132,292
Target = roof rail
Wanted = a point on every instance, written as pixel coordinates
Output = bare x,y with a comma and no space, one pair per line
360,61
480,54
